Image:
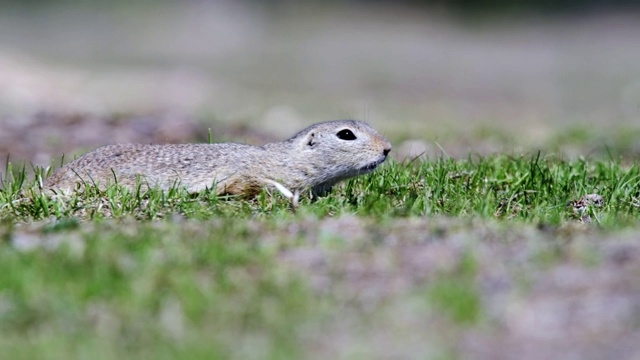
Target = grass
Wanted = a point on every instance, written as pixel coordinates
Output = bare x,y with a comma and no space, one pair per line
531,189
393,264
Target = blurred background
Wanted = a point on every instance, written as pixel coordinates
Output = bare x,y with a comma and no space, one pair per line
438,77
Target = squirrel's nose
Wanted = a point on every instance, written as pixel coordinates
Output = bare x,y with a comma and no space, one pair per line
386,151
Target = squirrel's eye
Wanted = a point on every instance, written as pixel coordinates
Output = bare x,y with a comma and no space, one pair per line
346,134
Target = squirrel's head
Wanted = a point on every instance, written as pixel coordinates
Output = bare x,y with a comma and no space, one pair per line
342,148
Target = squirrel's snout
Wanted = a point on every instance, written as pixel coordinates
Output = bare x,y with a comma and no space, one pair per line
386,149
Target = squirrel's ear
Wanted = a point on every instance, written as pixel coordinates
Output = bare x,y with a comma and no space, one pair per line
310,139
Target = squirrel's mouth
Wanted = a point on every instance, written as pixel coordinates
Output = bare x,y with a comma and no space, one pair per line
369,167
372,166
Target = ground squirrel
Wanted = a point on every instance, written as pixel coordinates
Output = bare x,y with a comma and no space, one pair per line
315,158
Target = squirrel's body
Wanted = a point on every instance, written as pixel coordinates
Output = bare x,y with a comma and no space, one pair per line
315,158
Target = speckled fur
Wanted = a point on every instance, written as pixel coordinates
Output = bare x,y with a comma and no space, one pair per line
315,158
